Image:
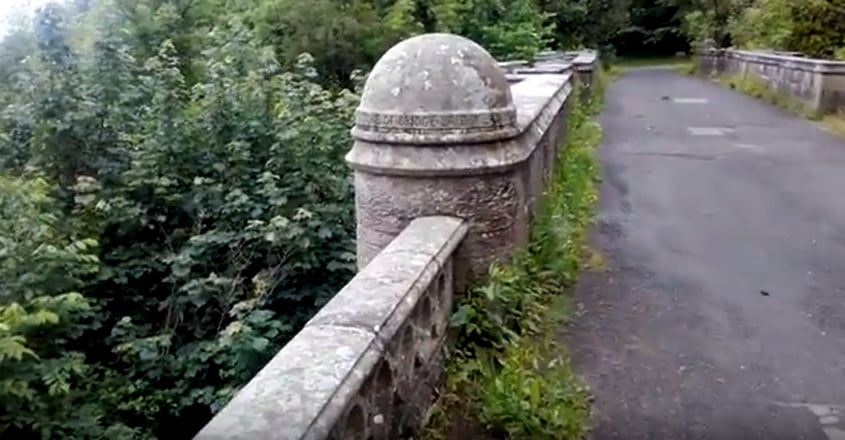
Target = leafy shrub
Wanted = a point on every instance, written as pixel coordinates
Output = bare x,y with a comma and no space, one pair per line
508,29
767,24
41,269
815,28
217,212
352,35
819,27
698,26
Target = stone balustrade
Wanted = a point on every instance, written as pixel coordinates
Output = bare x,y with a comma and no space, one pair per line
449,160
819,84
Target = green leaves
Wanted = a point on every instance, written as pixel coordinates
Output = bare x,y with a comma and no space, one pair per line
533,393
818,27
766,24
140,290
815,28
509,30
516,380
12,347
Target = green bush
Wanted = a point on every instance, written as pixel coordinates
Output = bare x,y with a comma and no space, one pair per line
819,27
43,376
181,230
767,24
508,29
815,28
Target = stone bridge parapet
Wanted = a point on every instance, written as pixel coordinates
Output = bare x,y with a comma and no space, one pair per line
450,156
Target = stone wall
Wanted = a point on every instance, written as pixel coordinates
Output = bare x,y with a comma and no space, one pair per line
583,63
820,84
450,157
364,367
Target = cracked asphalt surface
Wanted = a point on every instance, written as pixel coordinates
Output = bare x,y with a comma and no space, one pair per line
720,313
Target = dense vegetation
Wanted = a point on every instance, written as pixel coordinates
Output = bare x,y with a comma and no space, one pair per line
813,27
173,200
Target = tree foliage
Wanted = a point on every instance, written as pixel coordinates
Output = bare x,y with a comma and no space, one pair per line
168,222
818,28
815,28
652,28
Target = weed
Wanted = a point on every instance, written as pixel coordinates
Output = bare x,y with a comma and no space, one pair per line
759,89
506,375
834,123
593,259
532,394
687,68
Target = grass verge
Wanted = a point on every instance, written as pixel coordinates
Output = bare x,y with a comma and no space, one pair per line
757,88
507,377
834,123
687,68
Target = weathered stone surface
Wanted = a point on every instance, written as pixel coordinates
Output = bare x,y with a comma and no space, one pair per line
366,364
435,89
285,397
820,84
492,182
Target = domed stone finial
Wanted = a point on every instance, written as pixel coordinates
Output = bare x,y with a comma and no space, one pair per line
436,89
436,134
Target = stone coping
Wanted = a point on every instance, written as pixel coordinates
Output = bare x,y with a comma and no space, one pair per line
304,390
585,60
552,62
538,98
796,62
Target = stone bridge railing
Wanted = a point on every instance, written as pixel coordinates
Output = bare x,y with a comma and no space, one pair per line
819,84
449,159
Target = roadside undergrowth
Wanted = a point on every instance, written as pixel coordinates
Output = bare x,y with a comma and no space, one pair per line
687,68
757,88
506,376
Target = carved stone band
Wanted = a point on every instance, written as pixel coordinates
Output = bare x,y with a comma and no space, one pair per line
428,128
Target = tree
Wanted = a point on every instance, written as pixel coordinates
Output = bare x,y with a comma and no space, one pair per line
654,29
213,202
509,30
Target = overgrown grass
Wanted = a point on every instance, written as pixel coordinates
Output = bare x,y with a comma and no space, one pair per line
507,377
834,123
687,68
757,88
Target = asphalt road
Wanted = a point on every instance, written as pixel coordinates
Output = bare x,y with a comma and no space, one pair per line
720,313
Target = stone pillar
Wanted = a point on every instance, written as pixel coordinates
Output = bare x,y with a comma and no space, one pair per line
585,63
434,135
